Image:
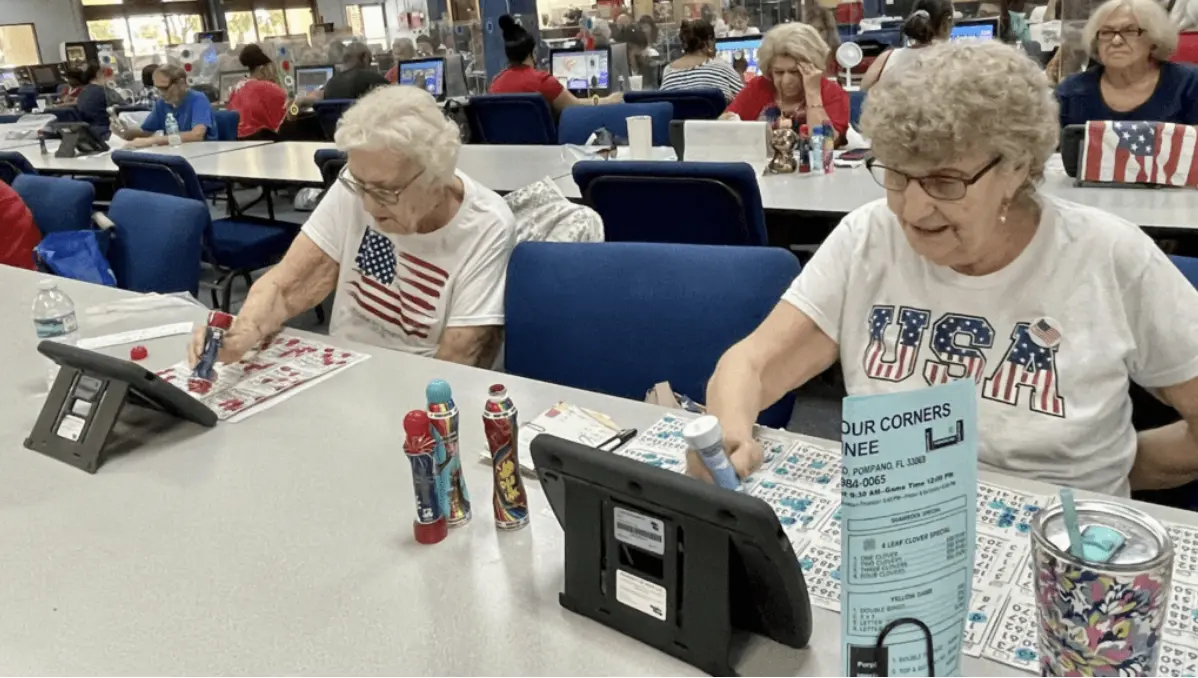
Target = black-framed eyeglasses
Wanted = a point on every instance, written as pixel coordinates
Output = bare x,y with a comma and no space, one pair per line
937,186
164,90
1108,34
383,196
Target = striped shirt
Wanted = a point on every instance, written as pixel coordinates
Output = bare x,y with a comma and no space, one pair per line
712,74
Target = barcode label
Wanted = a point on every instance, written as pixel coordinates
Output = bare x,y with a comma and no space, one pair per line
639,530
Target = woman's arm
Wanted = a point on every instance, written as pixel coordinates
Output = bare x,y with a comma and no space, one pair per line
1168,456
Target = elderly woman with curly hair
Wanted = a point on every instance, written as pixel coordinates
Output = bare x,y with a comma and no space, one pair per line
1132,40
966,271
792,86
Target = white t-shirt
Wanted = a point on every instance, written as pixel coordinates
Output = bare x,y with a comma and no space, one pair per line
402,291
1052,339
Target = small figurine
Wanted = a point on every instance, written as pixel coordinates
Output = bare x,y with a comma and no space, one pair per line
783,140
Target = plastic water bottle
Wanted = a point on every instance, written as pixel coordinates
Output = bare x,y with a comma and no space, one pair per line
172,130
54,319
817,149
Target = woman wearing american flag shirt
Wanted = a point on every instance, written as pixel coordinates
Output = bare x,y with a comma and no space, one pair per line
966,271
416,251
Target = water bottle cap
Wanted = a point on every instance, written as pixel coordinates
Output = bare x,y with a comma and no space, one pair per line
47,285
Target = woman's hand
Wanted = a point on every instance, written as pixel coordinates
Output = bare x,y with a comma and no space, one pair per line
238,341
745,453
812,78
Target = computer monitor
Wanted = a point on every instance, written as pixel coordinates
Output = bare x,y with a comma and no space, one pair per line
427,74
975,30
620,70
309,79
44,76
229,80
734,49
455,76
582,70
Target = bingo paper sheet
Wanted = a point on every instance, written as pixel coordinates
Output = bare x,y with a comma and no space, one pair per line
261,380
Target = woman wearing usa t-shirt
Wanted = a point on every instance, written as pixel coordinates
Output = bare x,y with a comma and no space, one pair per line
415,251
259,99
967,271
521,75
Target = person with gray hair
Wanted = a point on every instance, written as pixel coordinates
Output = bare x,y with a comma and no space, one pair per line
415,250
191,110
356,77
1132,41
966,270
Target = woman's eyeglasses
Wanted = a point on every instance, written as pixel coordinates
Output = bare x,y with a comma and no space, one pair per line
937,186
1125,34
382,196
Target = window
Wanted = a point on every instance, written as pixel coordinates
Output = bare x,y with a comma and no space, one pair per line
18,45
368,21
146,26
252,25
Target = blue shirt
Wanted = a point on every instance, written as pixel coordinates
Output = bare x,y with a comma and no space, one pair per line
1175,98
193,110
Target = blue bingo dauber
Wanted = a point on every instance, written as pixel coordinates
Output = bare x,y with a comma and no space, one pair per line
705,436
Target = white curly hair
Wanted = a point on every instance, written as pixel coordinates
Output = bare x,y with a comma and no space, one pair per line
798,41
958,98
405,120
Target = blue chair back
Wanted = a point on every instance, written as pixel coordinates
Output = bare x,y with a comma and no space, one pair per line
159,241
8,119
329,112
1188,267
57,204
856,103
13,165
511,119
654,313
156,173
578,123
65,113
689,104
28,97
329,161
226,125
697,203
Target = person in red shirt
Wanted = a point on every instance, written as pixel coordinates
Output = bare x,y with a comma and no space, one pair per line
1185,14
18,234
521,74
259,99
792,86
403,49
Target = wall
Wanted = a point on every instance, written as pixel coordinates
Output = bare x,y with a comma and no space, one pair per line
56,21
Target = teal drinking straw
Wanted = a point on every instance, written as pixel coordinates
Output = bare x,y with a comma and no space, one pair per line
1075,534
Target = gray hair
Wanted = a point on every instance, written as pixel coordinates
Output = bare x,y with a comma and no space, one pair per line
405,120
961,97
1148,13
600,28
174,72
404,45
795,40
356,54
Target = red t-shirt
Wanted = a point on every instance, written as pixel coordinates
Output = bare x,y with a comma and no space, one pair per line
262,105
392,75
757,102
1187,48
517,79
18,234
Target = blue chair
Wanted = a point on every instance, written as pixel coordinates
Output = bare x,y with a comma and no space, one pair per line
511,119
235,247
329,161
654,313
578,123
856,103
8,119
329,112
159,242
13,165
57,204
696,203
226,125
689,104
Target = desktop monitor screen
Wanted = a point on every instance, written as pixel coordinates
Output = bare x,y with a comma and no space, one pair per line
579,71
978,30
733,49
44,75
309,79
427,74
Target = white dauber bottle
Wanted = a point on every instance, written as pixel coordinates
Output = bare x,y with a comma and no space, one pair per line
54,319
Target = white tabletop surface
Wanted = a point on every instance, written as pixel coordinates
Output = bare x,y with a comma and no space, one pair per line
283,544
102,163
286,162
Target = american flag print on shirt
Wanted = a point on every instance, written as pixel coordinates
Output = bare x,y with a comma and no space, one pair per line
399,289
1027,365
957,359
1140,152
891,356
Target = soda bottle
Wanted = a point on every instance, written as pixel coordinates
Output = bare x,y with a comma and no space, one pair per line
54,319
172,130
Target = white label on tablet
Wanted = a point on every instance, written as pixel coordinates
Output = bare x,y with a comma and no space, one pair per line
640,531
641,595
71,428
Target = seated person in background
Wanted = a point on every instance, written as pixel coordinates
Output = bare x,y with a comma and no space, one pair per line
148,93
698,67
1132,41
968,271
600,33
1184,14
92,100
259,99
930,22
415,251
403,49
356,78
521,74
792,85
823,21
73,87
425,47
649,28
637,47
191,109
18,233
738,23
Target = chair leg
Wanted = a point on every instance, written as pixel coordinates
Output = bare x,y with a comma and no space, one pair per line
227,295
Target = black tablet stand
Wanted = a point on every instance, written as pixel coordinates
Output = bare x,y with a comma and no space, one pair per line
705,564
86,401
